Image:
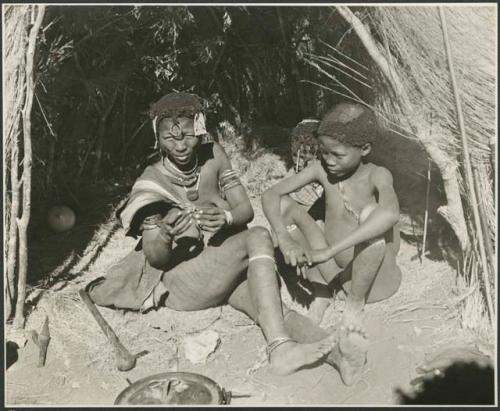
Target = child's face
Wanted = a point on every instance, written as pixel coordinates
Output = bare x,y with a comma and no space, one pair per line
177,139
340,159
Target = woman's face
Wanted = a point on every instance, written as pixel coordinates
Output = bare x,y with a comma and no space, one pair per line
177,139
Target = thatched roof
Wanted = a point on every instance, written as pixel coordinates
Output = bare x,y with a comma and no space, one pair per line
414,35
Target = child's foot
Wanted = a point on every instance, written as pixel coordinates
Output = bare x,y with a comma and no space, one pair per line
291,356
341,295
317,309
352,348
352,315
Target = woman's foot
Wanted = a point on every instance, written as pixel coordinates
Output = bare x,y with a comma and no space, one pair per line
291,356
352,348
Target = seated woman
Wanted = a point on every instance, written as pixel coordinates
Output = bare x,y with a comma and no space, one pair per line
196,251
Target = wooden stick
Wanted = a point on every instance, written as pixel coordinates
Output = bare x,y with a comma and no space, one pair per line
426,216
124,360
10,270
468,169
23,221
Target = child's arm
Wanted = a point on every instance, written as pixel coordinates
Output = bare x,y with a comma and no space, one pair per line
271,205
382,219
271,198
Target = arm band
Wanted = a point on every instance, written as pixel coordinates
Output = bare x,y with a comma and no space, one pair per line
228,179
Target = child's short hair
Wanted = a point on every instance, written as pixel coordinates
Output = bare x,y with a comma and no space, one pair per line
304,137
175,105
350,123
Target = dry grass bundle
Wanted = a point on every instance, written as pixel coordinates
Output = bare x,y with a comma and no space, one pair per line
473,313
414,36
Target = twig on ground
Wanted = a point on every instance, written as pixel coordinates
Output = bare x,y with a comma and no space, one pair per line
407,320
209,325
407,310
34,395
319,379
259,382
459,299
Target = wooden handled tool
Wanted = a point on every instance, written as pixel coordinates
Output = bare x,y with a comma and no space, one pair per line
124,360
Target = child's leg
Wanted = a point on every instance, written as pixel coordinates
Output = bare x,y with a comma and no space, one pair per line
374,274
305,231
364,268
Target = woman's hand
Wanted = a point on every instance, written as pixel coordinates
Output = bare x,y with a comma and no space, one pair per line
294,254
175,222
210,218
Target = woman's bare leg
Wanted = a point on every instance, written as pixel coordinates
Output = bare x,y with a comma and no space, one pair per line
192,287
348,356
211,278
263,303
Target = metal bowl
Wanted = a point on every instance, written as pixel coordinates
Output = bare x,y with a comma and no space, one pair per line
173,388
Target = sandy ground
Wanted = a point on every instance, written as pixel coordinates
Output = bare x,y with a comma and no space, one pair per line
421,318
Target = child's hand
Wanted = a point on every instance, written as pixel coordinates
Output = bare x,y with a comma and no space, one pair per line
320,256
295,255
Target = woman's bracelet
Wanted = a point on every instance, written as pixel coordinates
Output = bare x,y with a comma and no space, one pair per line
229,217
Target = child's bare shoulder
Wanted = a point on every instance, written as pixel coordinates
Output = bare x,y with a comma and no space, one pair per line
379,174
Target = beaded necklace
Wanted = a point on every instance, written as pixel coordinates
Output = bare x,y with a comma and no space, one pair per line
186,179
347,204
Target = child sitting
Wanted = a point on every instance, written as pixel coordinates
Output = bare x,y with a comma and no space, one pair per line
359,241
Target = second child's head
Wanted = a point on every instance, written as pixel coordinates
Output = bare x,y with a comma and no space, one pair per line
345,136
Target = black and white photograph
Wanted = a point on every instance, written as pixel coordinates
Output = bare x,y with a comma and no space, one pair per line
249,204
